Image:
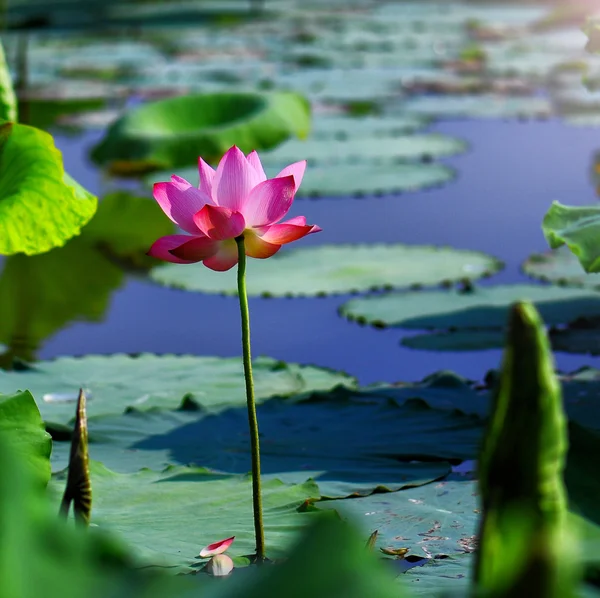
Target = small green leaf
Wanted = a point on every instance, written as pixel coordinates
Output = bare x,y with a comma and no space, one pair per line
578,227
39,209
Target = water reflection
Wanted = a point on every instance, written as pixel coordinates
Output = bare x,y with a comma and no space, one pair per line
41,294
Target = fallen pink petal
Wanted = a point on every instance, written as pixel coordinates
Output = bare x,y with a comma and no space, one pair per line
216,548
233,200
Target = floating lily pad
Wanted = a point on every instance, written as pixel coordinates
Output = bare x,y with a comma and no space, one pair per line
332,269
343,180
459,340
114,383
395,444
42,207
343,127
481,307
174,132
167,517
478,106
355,180
364,150
439,518
560,267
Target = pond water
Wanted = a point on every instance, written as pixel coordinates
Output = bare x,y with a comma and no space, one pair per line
504,185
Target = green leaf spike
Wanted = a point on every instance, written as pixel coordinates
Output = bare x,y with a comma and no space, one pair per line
522,531
79,488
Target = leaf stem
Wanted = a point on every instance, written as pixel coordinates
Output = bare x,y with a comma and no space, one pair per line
252,419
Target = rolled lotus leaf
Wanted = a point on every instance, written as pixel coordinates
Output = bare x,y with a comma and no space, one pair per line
522,531
79,489
174,132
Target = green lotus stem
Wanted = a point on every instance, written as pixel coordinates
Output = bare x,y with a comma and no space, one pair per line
252,419
523,530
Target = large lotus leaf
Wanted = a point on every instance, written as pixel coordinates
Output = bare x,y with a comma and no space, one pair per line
343,127
481,307
578,228
433,520
174,132
437,522
331,269
39,208
361,149
22,427
478,106
560,266
343,180
40,294
167,517
394,444
8,99
116,382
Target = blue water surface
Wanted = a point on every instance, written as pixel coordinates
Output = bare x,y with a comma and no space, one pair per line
504,185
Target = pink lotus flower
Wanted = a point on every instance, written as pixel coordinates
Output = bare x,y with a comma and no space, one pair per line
235,199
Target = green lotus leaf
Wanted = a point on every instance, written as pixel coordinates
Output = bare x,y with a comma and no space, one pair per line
117,382
174,132
21,427
437,520
395,444
8,99
478,106
480,307
344,127
360,149
40,294
168,517
561,267
580,337
459,340
578,228
40,208
334,269
358,180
